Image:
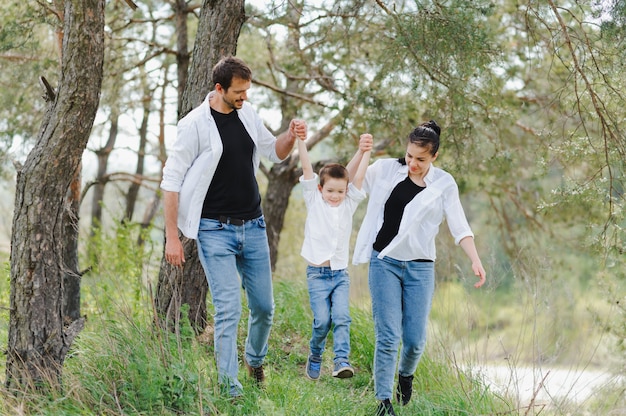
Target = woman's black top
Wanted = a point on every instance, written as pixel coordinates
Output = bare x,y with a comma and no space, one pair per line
401,195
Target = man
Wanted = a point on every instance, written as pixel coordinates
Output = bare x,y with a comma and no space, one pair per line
212,195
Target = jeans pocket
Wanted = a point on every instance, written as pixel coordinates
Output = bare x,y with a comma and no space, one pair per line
261,222
313,274
207,224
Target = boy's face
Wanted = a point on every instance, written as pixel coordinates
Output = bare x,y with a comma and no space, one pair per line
334,191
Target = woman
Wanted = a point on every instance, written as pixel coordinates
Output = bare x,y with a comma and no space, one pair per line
409,199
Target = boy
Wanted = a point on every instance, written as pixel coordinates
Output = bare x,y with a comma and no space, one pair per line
330,206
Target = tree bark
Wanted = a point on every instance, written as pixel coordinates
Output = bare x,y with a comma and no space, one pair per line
182,56
72,276
178,286
135,186
282,178
218,30
153,206
38,337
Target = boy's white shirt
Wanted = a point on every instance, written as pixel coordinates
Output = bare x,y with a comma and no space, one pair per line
421,218
193,159
327,229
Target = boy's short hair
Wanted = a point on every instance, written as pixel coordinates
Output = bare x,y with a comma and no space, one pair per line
228,68
335,171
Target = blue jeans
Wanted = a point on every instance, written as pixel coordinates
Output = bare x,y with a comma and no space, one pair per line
402,293
329,295
235,257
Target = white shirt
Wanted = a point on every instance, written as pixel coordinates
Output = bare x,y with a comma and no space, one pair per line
193,159
421,218
327,229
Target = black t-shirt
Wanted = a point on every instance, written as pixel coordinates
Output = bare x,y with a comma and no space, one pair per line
401,195
234,191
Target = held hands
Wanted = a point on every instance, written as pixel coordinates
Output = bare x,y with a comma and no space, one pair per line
298,129
366,142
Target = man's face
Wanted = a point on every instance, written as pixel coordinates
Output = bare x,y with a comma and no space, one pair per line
233,97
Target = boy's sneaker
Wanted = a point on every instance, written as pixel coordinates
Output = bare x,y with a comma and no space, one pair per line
385,408
404,389
313,367
343,369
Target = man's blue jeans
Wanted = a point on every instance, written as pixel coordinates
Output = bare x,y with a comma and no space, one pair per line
402,293
235,257
329,295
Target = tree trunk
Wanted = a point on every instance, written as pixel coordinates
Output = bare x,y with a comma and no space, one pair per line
135,186
218,30
153,206
71,278
101,180
182,56
38,339
176,288
282,178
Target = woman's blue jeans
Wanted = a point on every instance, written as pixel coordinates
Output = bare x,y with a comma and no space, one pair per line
236,257
402,293
329,295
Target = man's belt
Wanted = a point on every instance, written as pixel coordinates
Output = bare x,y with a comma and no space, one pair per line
229,220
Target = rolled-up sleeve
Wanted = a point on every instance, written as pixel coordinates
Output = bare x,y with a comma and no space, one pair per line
455,215
180,157
266,141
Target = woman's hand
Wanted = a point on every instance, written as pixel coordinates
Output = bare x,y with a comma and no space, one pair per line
479,271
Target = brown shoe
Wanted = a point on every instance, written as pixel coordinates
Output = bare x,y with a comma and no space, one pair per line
255,373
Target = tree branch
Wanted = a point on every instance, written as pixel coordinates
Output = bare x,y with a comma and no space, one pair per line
288,93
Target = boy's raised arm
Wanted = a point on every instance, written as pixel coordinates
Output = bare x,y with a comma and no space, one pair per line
366,142
365,150
307,168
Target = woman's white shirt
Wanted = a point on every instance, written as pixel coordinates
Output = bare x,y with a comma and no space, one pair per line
421,218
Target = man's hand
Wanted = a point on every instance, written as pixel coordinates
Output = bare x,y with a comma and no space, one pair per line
298,128
174,253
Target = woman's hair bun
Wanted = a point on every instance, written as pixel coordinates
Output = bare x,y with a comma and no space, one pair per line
432,124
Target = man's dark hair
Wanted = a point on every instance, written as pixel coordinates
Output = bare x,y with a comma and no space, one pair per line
228,68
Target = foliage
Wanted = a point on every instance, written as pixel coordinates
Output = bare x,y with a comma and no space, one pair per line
28,50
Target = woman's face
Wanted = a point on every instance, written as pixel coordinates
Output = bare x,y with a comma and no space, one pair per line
418,159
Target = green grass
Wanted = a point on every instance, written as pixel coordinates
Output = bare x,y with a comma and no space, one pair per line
120,364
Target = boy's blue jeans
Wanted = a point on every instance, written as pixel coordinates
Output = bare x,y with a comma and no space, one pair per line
329,295
236,257
402,293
